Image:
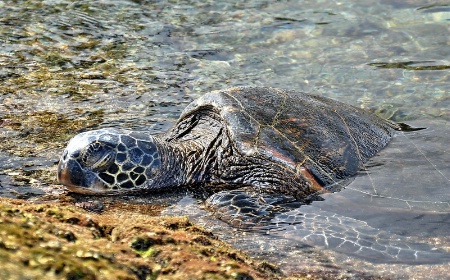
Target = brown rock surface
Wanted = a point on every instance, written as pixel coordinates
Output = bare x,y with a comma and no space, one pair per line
57,240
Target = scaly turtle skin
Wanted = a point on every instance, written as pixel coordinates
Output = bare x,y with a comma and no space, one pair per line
262,140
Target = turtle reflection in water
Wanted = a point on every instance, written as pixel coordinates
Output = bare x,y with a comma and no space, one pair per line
252,152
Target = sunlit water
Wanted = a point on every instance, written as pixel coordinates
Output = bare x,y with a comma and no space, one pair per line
137,64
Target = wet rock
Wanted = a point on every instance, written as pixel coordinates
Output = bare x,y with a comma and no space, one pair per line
61,241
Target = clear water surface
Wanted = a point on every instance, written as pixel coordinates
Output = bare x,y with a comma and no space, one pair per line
68,66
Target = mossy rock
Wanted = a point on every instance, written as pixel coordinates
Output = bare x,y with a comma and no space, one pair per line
61,241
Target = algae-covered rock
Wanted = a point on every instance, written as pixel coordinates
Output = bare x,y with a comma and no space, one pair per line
61,241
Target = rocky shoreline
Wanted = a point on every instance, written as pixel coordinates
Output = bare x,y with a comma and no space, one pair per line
58,240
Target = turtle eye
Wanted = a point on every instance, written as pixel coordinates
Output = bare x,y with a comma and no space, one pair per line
97,156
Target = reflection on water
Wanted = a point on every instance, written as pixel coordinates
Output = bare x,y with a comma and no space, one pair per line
68,66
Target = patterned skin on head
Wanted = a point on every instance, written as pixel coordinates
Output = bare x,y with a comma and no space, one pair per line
109,159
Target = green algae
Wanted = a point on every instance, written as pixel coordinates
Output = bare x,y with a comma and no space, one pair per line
60,242
43,130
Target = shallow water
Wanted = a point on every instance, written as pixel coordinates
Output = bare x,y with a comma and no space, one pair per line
69,66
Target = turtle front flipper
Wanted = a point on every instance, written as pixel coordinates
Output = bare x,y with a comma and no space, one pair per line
318,228
248,208
282,216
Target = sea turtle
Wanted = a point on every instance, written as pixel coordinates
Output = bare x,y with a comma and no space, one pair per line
246,148
255,154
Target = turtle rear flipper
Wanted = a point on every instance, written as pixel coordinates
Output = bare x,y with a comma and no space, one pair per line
248,208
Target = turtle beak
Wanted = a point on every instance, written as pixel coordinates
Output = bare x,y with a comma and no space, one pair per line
70,173
63,174
77,179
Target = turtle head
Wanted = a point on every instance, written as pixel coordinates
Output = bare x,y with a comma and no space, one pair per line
109,159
